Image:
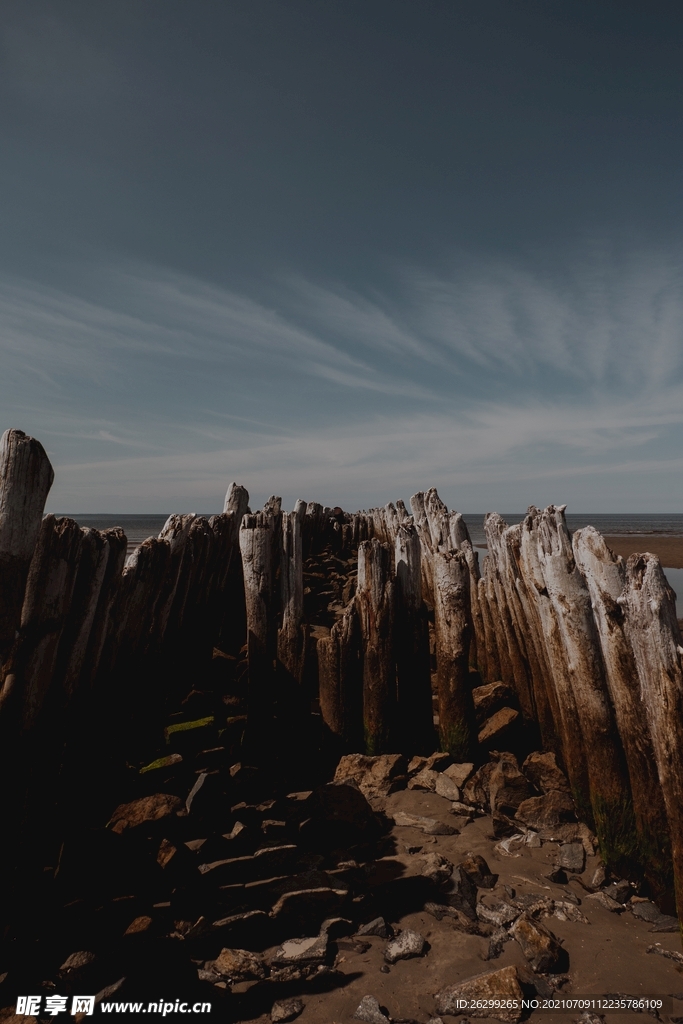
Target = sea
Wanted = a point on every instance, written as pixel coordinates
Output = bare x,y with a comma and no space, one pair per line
138,527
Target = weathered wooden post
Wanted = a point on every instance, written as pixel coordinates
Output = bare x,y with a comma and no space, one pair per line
292,636
25,480
415,726
452,632
375,601
256,546
652,629
340,676
605,576
489,615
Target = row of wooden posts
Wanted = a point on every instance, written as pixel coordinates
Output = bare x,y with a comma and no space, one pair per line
589,643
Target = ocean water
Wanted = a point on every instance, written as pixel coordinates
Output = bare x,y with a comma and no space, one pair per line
138,527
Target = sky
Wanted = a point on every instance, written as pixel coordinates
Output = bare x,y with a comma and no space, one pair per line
345,251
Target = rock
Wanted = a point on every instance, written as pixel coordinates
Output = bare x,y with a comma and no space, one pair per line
670,954
369,1011
598,877
286,1009
496,943
549,809
620,891
302,910
497,727
540,947
338,803
665,923
462,810
235,965
167,852
559,876
439,761
565,910
499,914
376,777
645,910
504,827
377,926
572,857
138,925
589,1018
542,769
416,764
476,868
500,985
77,961
460,892
603,900
508,788
476,789
463,922
426,779
336,927
430,826
437,868
295,952
251,928
446,788
489,698
405,946
148,808
459,773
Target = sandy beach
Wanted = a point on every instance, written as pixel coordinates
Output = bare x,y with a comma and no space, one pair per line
669,549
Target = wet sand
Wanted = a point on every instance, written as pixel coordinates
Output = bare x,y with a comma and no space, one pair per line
668,549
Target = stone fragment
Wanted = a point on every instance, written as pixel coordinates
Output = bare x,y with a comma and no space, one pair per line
508,787
295,952
437,868
405,946
541,768
670,954
459,773
547,810
500,985
342,804
462,810
603,900
597,879
476,868
665,923
377,926
589,1018
489,698
147,808
645,910
497,726
462,921
302,910
438,761
369,1010
572,857
78,961
446,788
476,789
498,914
416,764
496,943
460,892
430,826
166,853
235,965
620,891
376,777
540,946
564,910
139,924
426,779
286,1009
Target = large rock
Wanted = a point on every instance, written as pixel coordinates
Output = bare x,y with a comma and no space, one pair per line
497,727
572,857
301,952
284,1010
369,1011
430,826
489,698
508,787
405,946
542,769
460,892
446,788
376,777
436,868
148,808
476,789
549,809
425,779
500,985
540,947
235,965
459,773
478,871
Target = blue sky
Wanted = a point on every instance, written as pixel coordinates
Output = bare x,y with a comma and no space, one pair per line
345,251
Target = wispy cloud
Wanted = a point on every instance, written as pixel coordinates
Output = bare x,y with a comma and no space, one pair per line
482,376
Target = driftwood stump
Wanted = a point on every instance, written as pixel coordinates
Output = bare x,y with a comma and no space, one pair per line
375,601
415,726
452,630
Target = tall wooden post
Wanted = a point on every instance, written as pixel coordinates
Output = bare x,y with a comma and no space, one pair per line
341,681
375,601
415,727
256,546
452,632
